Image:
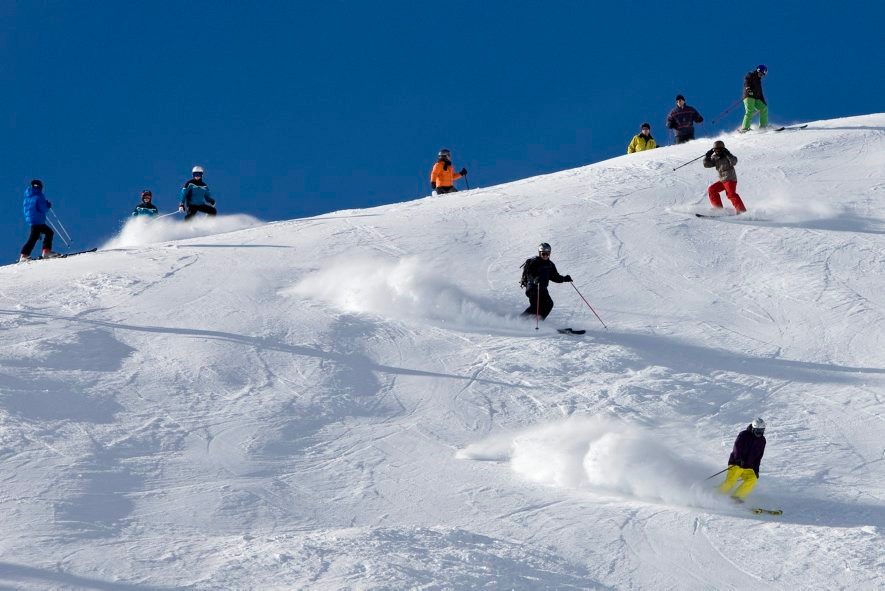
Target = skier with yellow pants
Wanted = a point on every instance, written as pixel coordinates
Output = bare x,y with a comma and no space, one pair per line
744,461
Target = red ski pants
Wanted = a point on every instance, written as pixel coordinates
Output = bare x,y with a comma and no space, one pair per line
730,188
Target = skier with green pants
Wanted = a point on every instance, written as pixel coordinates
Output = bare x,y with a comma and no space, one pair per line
754,99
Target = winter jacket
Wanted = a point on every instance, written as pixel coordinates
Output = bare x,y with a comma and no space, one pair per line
196,192
540,271
748,450
753,87
145,209
640,143
35,206
724,164
683,120
443,174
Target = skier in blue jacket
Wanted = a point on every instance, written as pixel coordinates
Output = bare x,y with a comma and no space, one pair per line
195,196
35,207
146,208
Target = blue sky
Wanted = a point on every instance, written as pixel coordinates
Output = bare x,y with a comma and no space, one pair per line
299,108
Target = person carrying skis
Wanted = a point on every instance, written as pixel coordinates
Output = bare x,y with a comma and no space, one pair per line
537,273
35,207
724,162
754,99
146,208
744,461
195,196
443,175
682,119
642,141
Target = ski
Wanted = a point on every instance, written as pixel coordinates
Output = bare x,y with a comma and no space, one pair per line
570,331
730,216
794,127
714,216
761,511
65,255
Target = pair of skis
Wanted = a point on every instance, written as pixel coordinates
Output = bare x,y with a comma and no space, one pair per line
64,255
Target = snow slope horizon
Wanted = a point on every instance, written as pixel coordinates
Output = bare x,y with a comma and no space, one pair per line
349,400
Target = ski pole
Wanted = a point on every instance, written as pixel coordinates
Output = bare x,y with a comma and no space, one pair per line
466,183
57,233
166,214
726,111
717,474
689,162
63,229
588,304
538,306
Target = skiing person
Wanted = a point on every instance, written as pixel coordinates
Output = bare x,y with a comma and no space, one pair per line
195,196
724,162
682,119
443,175
537,273
35,207
743,463
642,141
754,99
146,208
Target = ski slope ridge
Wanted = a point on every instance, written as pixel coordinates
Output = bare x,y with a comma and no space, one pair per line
351,400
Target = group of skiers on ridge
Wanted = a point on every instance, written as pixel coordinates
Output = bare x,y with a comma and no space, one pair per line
682,119
194,193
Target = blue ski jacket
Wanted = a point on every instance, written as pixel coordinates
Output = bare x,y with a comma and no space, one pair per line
196,192
35,206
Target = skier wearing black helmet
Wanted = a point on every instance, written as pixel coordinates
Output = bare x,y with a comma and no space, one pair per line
35,207
537,273
754,99
744,461
443,175
146,207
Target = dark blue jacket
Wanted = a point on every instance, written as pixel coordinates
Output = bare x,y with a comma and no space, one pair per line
683,120
748,450
35,206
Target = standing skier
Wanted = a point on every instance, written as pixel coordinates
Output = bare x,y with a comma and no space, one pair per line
35,207
146,208
724,162
537,273
754,99
443,175
642,141
195,196
682,119
743,463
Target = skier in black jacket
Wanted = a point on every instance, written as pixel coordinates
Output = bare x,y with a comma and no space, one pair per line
537,273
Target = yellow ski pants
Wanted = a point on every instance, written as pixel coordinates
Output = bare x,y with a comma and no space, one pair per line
734,474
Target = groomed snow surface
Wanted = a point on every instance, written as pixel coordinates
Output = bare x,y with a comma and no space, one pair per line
351,401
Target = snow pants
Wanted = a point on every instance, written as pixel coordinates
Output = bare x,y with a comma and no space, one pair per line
730,188
734,474
752,105
444,190
193,209
541,308
34,236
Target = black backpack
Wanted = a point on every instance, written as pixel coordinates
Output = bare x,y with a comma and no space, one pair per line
527,279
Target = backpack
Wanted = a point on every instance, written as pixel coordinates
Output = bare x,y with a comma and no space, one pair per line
526,279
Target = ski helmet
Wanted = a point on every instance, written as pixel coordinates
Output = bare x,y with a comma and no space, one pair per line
445,153
544,247
37,184
147,193
762,69
758,427
197,169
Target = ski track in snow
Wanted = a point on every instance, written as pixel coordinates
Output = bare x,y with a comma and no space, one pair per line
351,400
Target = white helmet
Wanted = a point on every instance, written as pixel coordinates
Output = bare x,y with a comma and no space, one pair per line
197,169
758,427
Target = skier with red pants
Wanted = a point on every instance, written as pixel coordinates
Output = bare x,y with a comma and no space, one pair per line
724,162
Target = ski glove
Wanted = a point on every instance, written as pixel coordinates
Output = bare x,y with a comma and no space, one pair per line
433,185
211,202
463,172
567,279
749,93
49,205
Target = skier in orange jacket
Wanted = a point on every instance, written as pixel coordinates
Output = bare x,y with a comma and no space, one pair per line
443,175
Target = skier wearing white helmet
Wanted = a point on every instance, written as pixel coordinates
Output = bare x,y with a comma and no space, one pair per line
744,461
195,196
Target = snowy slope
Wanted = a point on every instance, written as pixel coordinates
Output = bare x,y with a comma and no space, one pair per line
349,401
